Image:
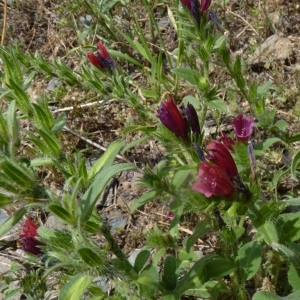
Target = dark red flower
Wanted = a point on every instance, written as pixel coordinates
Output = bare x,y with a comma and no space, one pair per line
95,60
227,141
192,117
102,59
171,117
28,237
213,181
243,127
187,3
221,157
205,4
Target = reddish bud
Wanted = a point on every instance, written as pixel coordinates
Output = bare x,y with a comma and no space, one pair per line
171,117
95,60
192,117
28,236
103,59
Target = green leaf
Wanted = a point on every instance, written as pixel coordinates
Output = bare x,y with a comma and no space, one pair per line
134,143
202,228
261,90
144,199
264,295
267,230
75,288
170,296
91,196
280,124
290,255
12,125
190,75
59,123
62,213
219,267
209,290
90,257
292,201
294,278
42,116
295,163
107,158
261,147
219,42
289,226
169,277
196,276
144,51
294,138
179,178
140,260
56,238
21,97
51,142
218,104
192,100
148,281
19,174
124,57
41,161
13,220
249,259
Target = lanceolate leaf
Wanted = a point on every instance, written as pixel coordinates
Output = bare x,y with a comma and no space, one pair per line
13,220
90,197
75,288
144,199
295,163
249,258
107,158
190,75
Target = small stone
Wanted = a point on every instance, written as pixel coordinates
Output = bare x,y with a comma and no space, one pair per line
273,48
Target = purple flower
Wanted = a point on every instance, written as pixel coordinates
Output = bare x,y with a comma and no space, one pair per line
102,60
192,117
28,237
221,157
170,215
171,117
213,181
243,127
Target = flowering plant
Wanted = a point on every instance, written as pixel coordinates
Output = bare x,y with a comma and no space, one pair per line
207,219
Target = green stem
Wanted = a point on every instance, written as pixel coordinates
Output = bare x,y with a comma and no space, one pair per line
113,245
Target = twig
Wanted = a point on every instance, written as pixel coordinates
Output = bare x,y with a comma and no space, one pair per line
80,106
93,143
4,22
249,25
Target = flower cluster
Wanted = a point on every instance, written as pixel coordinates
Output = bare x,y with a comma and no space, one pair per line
171,117
102,60
28,237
